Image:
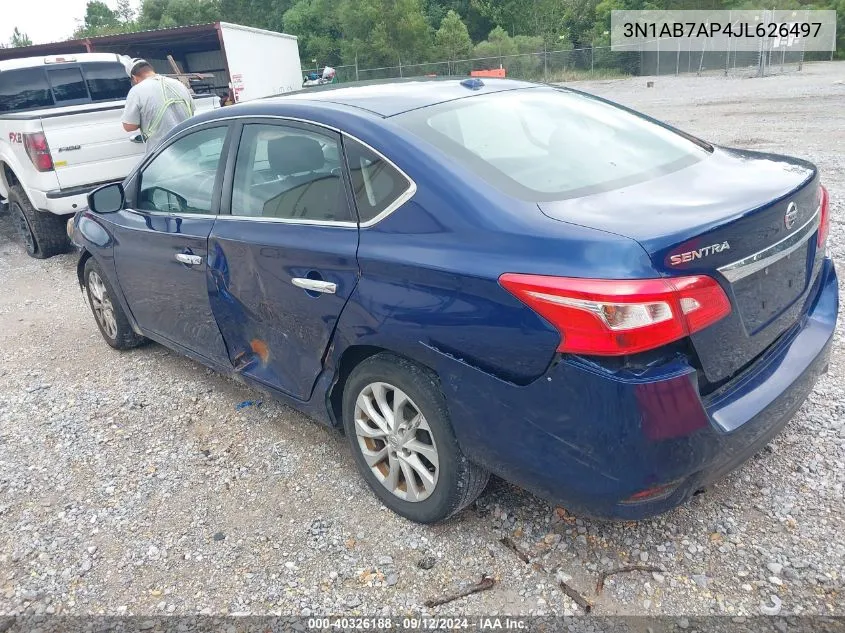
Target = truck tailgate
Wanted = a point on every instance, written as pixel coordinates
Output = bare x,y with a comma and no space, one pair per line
90,146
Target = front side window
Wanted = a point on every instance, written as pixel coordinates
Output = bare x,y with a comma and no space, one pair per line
376,183
288,173
181,178
107,81
67,84
544,144
24,89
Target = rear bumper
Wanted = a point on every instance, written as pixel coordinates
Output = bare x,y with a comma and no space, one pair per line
50,202
64,201
591,439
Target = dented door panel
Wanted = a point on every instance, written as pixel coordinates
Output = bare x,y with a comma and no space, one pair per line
276,331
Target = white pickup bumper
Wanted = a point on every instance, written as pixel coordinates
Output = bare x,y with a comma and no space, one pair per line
61,201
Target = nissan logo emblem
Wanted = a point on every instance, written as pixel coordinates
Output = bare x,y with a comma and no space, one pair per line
791,215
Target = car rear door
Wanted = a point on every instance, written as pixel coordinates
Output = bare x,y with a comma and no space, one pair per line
161,240
282,254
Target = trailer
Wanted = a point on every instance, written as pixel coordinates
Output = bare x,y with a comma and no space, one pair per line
243,62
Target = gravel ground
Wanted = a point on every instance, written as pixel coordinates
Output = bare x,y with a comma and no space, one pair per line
129,482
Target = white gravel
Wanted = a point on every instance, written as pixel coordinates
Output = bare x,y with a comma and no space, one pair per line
130,484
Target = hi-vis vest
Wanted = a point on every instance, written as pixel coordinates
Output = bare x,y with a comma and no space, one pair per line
169,97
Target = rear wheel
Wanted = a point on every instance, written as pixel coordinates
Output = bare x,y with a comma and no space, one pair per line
44,234
110,317
397,422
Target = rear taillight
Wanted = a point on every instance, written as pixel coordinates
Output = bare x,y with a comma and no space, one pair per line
38,151
610,317
824,216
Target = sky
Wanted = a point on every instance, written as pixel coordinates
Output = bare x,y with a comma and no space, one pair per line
43,20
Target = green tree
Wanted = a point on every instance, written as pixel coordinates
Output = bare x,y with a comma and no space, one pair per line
263,14
452,39
19,39
151,13
477,25
162,14
98,15
383,32
125,13
99,20
315,23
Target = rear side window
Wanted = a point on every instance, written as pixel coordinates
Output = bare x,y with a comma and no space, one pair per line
377,184
24,89
106,81
67,84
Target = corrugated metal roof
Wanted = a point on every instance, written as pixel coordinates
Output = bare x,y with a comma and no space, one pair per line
82,45
189,28
203,33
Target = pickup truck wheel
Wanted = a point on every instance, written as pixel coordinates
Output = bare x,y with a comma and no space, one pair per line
397,422
109,315
44,234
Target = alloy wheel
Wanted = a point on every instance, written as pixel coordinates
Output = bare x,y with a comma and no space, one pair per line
102,305
396,441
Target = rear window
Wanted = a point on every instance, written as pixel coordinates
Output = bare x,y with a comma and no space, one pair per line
55,86
106,81
67,84
546,144
24,89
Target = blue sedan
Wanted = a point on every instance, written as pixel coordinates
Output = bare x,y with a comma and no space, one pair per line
481,277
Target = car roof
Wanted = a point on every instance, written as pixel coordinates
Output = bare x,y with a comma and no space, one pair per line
390,98
55,60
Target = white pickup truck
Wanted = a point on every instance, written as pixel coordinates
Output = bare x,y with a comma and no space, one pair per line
61,137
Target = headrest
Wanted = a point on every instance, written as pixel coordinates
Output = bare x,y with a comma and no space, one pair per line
294,154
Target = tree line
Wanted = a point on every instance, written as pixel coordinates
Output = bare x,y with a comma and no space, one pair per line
375,33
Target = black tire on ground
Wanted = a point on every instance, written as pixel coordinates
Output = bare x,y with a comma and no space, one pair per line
115,329
44,234
458,482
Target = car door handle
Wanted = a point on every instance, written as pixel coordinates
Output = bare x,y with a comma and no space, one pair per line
315,285
188,260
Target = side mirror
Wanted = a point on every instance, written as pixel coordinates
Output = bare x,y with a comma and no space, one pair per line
161,199
107,199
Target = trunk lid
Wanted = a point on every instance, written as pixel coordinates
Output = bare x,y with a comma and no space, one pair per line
747,219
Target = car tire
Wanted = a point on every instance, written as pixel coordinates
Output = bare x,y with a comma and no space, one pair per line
44,234
108,313
429,445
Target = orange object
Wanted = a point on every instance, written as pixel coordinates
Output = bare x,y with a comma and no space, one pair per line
496,72
261,350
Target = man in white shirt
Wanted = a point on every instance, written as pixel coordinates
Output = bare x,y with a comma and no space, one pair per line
155,104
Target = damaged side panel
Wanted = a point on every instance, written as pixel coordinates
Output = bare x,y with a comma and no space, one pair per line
277,331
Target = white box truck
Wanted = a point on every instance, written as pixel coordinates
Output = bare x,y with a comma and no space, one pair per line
260,63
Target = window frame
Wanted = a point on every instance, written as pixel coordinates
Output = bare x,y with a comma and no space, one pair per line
134,181
49,70
290,122
43,71
397,202
87,67
39,71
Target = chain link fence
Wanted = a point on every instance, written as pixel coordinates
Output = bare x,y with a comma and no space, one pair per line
772,57
598,62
